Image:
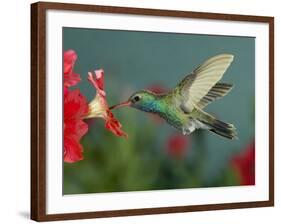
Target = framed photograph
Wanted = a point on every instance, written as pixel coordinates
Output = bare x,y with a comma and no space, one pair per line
143,111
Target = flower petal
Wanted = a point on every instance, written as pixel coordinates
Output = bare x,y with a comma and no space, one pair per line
70,78
75,109
114,125
72,150
81,129
69,58
99,107
75,105
100,78
97,82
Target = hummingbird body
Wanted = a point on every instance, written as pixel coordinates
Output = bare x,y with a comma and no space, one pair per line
183,106
167,107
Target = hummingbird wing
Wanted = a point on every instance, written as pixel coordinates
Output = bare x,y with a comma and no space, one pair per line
218,91
197,85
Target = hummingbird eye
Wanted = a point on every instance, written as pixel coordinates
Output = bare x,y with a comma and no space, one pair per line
136,98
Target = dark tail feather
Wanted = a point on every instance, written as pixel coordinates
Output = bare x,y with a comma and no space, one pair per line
218,127
230,134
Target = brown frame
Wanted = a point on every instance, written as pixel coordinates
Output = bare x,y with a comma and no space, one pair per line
38,110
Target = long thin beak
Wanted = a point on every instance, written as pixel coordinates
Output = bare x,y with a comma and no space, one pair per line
126,103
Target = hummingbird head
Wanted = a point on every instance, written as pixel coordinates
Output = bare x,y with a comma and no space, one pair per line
143,100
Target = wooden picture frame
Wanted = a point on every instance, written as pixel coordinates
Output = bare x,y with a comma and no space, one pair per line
38,109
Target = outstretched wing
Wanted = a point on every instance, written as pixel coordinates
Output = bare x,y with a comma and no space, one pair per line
218,91
196,85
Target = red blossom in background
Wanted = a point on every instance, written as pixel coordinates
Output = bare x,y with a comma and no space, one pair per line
157,88
99,107
244,165
70,78
75,109
178,145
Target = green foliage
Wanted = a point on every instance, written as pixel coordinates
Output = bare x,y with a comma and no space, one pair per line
141,162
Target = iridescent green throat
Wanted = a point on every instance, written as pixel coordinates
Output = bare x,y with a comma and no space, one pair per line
154,104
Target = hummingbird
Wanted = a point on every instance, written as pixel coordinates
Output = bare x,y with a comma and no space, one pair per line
182,107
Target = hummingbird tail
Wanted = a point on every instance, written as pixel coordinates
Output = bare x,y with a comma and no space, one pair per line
218,127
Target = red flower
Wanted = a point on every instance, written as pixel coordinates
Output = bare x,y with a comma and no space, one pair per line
178,145
75,109
99,107
244,164
157,88
70,78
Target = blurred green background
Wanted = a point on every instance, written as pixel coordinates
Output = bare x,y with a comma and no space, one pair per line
156,156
